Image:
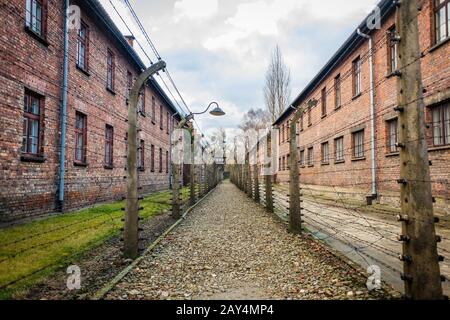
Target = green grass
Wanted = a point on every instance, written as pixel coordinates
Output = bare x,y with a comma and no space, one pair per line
31,252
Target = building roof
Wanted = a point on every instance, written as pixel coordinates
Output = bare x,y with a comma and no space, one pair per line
95,8
350,45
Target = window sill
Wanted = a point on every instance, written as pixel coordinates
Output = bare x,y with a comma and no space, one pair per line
80,164
392,154
153,122
358,159
310,166
141,169
339,161
338,107
40,38
108,167
324,116
439,148
392,74
438,45
25,157
111,91
357,96
83,70
325,164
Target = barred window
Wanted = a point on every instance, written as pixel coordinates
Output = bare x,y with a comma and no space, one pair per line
110,70
441,124
310,156
141,155
392,134
392,50
358,144
302,157
325,153
339,149
337,92
357,76
109,142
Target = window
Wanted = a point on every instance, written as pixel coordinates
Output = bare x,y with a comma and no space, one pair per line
160,160
309,116
442,19
161,118
82,47
167,123
32,120
110,71
153,109
324,102
109,141
279,164
310,156
129,83
80,137
441,124
288,163
337,92
288,131
339,149
357,76
301,121
325,153
392,50
358,144
141,155
36,16
302,157
392,135
152,159
167,161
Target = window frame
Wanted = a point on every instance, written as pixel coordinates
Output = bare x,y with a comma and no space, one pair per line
109,141
358,150
160,160
392,50
325,157
85,42
141,155
323,99
153,109
310,157
444,135
167,161
357,76
83,132
161,117
339,153
42,33
337,92
390,146
436,28
110,70
152,158
302,157
30,116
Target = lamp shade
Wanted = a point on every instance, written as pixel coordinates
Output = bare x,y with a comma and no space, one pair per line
218,112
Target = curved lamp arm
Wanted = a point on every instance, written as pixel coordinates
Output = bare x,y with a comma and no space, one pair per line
209,107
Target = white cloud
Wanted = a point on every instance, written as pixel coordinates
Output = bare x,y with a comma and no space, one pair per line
195,9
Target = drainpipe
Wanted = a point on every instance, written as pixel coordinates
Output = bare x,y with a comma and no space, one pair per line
64,106
170,151
372,113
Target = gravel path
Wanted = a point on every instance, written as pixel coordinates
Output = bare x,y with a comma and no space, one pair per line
230,248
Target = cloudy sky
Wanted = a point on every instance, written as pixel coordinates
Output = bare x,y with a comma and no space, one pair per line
218,50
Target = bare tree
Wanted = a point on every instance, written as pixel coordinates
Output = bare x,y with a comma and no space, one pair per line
256,119
277,90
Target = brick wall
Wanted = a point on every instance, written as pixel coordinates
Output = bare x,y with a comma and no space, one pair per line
29,188
354,114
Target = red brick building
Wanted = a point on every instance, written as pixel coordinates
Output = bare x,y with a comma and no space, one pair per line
335,135
102,65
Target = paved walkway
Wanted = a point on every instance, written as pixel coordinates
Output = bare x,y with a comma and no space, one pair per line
230,248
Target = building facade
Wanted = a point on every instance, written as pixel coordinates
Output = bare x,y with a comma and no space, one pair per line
102,66
335,131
